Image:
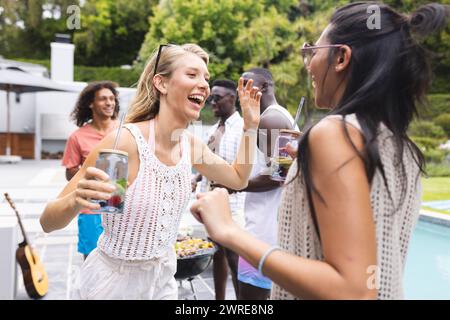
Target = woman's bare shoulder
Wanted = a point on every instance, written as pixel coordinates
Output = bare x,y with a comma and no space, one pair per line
330,147
142,124
330,131
125,143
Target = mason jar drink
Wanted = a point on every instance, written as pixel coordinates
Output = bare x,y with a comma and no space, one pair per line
115,164
281,160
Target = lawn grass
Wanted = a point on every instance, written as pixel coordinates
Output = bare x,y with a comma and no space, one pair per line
434,189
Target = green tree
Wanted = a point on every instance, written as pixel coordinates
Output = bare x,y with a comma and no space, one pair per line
28,26
239,35
214,25
436,105
426,129
443,121
112,31
291,78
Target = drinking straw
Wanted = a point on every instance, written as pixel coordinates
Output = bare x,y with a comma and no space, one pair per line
299,111
118,131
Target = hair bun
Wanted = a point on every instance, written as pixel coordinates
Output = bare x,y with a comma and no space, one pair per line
429,18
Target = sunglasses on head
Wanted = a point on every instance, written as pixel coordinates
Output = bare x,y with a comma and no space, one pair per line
161,46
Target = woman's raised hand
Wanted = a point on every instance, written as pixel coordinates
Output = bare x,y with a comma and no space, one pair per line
249,98
94,186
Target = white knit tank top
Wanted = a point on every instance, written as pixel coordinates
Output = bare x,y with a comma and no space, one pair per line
394,219
154,203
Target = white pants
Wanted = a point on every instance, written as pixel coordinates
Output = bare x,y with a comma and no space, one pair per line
104,278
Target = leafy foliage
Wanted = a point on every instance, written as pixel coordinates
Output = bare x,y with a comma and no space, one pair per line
444,122
427,129
112,31
214,25
124,77
437,104
28,26
243,34
238,34
438,170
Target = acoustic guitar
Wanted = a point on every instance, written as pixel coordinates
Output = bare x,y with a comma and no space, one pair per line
34,275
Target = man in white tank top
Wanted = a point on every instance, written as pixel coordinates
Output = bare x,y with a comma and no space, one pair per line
262,194
224,139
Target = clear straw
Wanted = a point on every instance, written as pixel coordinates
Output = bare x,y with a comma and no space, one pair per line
118,131
299,111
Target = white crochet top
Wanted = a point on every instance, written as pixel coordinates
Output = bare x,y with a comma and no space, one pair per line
394,221
154,203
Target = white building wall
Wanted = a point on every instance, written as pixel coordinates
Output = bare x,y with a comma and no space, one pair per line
47,114
52,120
21,113
62,64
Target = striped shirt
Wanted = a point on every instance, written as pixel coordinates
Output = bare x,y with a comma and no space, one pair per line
228,150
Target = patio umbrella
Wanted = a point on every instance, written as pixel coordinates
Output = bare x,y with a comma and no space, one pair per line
18,81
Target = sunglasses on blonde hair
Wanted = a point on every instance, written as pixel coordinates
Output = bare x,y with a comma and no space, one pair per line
161,46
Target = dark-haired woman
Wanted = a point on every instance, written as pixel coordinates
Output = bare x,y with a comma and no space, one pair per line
353,195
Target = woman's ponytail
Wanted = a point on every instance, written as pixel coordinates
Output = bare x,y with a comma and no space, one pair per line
428,19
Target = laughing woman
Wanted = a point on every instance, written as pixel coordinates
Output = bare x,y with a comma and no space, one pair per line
353,195
135,257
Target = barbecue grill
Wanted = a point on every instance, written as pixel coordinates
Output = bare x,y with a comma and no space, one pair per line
189,267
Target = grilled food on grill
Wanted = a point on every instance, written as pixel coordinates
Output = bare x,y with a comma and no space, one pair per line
191,246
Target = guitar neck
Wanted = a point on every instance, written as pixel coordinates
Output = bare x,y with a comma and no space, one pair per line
8,199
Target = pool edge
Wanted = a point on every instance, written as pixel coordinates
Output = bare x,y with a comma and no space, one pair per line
434,217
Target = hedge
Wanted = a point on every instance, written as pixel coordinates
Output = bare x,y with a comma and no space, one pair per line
437,170
427,143
443,121
437,104
435,156
426,129
124,77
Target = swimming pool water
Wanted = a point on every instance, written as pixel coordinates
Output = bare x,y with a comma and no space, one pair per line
427,272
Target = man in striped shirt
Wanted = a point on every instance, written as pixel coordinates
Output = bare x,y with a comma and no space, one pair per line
224,139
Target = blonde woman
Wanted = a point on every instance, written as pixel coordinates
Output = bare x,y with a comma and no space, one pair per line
135,257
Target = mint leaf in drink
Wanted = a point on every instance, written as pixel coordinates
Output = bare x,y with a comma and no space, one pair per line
121,186
122,182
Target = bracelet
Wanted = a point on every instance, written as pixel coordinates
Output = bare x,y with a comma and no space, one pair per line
264,257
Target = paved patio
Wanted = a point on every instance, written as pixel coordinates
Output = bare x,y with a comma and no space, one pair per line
31,184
